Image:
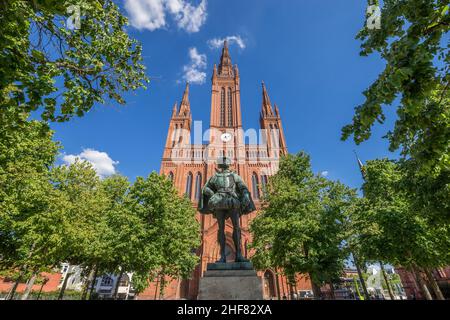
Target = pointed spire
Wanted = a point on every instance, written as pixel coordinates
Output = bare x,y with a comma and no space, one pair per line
174,109
225,66
361,165
267,107
225,58
277,111
185,100
185,105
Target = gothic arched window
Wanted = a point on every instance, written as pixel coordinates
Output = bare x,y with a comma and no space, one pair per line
188,192
170,176
174,136
230,108
222,108
255,190
198,186
275,136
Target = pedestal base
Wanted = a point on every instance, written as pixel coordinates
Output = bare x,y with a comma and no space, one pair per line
230,281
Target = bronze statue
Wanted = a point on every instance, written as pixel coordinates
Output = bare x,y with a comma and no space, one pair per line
225,195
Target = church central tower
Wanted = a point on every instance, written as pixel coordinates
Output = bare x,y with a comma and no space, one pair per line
226,136
225,94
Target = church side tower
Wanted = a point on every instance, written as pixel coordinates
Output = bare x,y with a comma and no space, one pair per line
178,134
270,121
178,140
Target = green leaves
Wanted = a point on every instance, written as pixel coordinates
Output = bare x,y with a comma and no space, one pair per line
26,153
404,217
302,226
97,62
170,226
50,215
412,40
394,224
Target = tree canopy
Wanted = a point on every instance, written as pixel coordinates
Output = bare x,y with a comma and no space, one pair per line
393,225
413,40
301,228
60,72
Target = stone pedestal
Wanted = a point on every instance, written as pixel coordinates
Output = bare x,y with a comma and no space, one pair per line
230,281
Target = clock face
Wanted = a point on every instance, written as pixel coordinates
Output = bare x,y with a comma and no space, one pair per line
226,137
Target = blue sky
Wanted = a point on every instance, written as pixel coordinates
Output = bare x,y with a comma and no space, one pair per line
304,50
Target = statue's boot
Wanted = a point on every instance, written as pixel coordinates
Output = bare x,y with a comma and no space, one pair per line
237,244
240,258
223,256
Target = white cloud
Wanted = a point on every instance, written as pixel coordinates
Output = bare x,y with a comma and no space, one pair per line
218,42
193,72
188,16
324,173
146,14
101,161
152,14
198,60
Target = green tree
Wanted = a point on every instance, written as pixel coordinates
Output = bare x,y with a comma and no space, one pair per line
27,199
301,228
353,245
46,66
428,192
84,214
171,234
413,41
125,233
391,231
60,73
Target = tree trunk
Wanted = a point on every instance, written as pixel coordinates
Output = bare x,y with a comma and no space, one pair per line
434,285
360,297
63,287
22,272
316,290
278,284
156,287
361,278
12,292
88,283
333,296
422,285
29,286
391,295
116,288
162,287
93,282
42,287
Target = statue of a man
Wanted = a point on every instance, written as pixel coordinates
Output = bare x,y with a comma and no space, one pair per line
225,195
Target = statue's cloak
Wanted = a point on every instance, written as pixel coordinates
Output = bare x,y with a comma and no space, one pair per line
241,195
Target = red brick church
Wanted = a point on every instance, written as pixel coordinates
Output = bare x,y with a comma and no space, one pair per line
254,155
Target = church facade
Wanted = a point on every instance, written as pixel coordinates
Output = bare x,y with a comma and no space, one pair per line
189,163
